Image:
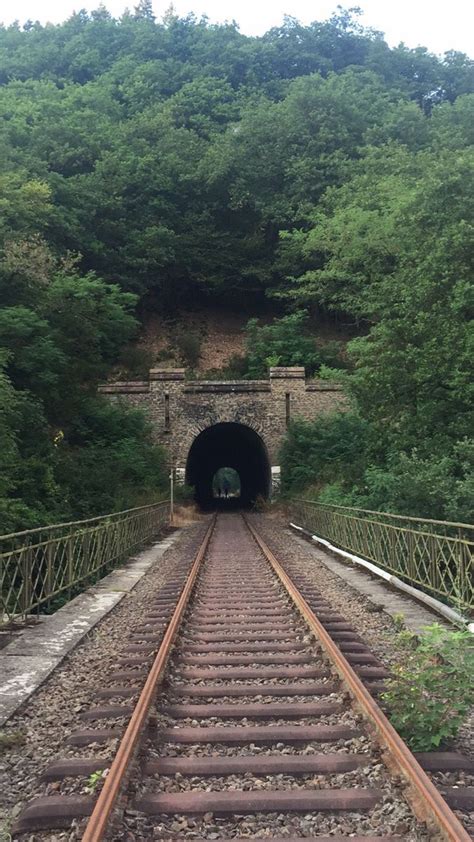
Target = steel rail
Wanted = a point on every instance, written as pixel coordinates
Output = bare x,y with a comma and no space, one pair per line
425,799
97,825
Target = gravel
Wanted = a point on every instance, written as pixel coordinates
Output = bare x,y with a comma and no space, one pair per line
40,729
55,711
375,627
392,815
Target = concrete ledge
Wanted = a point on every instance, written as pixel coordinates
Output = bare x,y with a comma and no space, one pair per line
289,372
323,386
225,386
380,593
27,661
124,387
167,373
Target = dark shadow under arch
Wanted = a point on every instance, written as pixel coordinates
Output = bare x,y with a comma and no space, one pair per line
230,445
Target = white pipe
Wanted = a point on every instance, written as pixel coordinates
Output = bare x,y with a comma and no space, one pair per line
447,612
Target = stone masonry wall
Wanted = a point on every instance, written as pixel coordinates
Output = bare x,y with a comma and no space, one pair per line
179,410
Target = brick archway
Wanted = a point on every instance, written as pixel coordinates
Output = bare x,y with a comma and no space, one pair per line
180,410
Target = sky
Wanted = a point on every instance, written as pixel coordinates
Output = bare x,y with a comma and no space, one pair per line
440,25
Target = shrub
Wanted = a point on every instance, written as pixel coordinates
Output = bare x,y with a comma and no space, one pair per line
136,361
236,368
183,493
431,692
188,343
329,449
260,505
108,461
286,342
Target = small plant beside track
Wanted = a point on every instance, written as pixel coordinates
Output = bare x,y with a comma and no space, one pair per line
95,779
432,691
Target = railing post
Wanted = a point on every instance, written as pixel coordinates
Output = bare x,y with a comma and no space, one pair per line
27,573
49,572
411,569
86,551
70,564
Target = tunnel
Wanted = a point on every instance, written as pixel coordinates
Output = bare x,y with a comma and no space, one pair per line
229,445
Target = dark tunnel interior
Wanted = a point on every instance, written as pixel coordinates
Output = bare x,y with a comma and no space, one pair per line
229,445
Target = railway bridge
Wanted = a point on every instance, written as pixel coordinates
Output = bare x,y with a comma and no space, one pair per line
240,424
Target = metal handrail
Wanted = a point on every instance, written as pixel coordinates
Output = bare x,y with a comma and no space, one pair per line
41,564
440,564
389,514
63,525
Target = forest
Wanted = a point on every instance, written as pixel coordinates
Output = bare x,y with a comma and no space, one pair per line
152,164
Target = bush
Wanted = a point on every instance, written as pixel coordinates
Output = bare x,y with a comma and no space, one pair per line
431,692
286,342
236,368
438,486
188,343
109,461
136,361
183,493
260,505
330,449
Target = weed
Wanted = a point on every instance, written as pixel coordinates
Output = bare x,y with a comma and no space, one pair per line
399,621
431,691
10,739
184,493
260,504
94,779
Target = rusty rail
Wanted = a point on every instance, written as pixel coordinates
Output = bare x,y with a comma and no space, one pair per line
98,822
426,802
425,799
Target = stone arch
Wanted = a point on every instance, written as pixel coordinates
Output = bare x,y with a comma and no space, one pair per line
229,444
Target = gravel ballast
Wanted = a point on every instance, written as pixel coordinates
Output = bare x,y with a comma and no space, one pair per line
38,732
56,710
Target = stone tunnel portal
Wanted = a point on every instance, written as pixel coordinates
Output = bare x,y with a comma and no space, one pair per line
230,445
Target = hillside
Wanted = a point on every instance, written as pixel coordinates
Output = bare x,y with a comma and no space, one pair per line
162,181
209,340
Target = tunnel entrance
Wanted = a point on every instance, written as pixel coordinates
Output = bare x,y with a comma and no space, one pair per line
229,445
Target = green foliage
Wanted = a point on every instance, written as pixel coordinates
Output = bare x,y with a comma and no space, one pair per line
175,162
391,247
431,692
188,343
94,779
10,739
183,493
65,453
135,362
108,462
226,478
329,450
285,342
171,153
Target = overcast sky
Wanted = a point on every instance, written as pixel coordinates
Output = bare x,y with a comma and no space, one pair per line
439,25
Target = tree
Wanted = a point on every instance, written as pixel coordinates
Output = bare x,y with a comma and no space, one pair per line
285,342
144,11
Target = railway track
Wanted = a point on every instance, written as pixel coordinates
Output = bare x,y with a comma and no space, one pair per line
245,707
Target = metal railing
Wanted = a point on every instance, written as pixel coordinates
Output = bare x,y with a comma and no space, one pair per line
435,555
39,565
